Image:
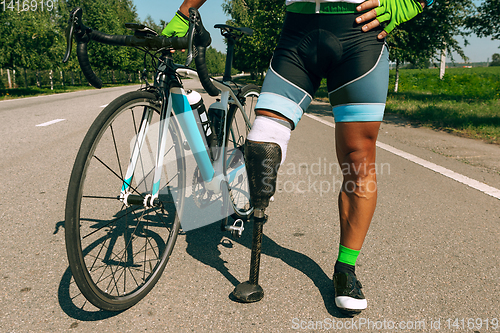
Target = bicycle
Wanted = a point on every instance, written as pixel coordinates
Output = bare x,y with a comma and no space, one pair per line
127,189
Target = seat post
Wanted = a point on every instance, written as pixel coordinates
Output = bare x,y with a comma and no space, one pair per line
229,59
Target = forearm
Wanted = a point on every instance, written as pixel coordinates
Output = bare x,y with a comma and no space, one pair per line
184,9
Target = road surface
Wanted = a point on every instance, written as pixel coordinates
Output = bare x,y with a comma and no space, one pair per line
431,259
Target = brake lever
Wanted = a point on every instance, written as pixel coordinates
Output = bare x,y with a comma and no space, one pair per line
75,18
190,57
69,37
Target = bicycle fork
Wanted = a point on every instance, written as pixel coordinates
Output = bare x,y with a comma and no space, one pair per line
126,195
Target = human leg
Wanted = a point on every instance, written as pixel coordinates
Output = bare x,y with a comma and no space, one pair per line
356,145
358,107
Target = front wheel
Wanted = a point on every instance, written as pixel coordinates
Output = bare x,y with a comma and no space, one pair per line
238,126
117,252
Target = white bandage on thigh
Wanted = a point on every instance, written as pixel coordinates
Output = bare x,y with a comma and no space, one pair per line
266,129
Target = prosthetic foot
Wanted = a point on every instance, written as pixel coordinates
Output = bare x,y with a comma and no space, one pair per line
262,163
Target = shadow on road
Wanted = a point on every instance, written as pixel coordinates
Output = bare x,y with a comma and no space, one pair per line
70,307
72,301
203,246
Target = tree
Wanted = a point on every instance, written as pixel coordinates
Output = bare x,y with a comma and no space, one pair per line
486,21
427,35
265,17
215,60
495,60
29,40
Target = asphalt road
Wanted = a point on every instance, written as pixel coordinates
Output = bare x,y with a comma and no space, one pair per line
431,261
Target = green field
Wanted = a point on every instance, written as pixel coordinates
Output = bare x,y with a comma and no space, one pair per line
466,102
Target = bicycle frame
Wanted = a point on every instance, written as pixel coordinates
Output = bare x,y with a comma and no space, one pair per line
177,102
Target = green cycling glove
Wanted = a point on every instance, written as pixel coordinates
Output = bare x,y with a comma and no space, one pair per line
178,26
397,12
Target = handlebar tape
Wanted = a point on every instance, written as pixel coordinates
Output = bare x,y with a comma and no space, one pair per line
115,40
201,67
202,40
177,43
83,59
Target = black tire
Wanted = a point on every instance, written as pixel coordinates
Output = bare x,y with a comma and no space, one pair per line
237,129
118,253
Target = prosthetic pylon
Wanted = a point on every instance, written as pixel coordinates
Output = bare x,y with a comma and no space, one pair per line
262,163
250,291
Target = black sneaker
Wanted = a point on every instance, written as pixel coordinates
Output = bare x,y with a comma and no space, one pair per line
348,295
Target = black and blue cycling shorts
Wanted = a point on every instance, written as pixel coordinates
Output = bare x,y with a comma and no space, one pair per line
332,46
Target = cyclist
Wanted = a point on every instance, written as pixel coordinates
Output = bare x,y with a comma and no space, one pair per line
326,39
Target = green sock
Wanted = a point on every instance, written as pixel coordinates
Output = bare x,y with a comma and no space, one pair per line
347,255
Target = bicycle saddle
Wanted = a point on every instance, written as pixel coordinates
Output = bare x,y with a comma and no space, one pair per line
229,30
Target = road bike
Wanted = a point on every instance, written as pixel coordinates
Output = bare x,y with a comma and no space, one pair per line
129,186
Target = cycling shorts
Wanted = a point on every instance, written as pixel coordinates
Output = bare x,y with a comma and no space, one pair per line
331,46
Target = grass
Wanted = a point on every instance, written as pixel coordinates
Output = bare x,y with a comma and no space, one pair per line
466,102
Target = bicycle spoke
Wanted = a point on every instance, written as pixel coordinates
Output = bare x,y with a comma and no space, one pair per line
107,224
116,150
121,178
127,245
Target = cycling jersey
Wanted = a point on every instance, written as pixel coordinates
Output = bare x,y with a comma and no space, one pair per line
323,6
288,2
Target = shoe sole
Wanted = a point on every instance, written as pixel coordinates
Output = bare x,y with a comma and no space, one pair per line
349,312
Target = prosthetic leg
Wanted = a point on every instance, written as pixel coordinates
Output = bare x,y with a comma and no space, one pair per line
262,162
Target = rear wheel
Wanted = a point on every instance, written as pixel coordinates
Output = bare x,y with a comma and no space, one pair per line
238,127
117,252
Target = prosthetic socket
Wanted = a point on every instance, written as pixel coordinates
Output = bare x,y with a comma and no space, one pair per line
262,160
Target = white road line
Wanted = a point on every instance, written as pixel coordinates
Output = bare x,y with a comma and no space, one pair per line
494,192
50,122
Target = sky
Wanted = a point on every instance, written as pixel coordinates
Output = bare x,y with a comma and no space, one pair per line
480,49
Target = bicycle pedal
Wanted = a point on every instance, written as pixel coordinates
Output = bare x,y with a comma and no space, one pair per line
236,228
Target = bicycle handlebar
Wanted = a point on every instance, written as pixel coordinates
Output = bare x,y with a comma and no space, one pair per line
197,37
